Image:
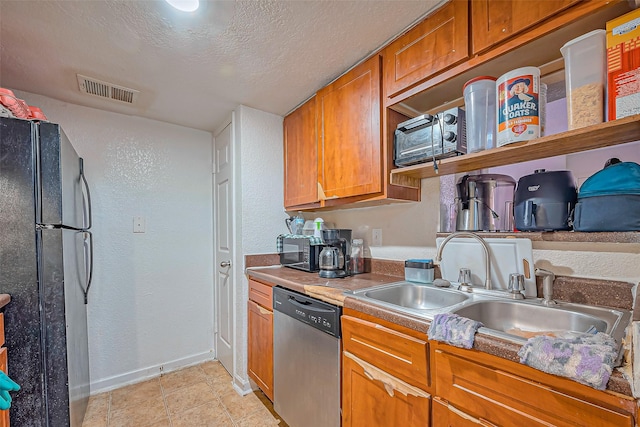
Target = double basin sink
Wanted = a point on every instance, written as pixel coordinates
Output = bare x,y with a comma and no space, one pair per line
509,319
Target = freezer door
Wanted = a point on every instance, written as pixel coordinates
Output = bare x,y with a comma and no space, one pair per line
62,199
64,325
19,269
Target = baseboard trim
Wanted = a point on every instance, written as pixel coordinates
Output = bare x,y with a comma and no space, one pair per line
132,377
241,386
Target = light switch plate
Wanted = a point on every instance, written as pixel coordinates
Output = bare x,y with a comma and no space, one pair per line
376,238
139,224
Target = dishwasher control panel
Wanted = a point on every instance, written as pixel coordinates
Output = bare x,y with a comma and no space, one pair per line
316,313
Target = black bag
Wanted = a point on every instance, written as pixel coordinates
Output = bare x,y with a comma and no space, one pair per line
609,200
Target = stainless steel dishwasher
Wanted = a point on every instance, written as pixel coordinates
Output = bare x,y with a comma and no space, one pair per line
306,360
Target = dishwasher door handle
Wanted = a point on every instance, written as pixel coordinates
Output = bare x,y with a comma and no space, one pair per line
308,306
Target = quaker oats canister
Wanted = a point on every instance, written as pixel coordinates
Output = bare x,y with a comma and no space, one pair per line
518,96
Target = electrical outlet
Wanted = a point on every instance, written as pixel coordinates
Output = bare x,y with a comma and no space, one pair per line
376,238
139,224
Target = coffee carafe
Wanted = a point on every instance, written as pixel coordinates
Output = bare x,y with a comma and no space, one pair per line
334,258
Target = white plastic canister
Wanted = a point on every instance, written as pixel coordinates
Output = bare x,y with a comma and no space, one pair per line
518,114
480,113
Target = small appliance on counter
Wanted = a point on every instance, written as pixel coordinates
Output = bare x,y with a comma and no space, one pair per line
334,258
300,252
544,201
426,137
485,203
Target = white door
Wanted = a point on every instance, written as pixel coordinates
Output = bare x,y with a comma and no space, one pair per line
223,238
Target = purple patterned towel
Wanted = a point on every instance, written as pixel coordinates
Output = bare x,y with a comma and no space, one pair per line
453,329
585,358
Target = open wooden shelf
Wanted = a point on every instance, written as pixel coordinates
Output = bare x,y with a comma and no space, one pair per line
588,138
564,236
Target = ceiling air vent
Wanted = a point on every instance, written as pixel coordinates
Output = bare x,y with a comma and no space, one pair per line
96,87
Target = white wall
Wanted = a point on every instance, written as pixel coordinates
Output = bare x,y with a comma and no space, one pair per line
151,302
259,139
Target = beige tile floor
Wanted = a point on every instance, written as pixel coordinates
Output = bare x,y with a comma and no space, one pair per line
198,396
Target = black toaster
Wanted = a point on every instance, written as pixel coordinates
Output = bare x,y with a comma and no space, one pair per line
544,201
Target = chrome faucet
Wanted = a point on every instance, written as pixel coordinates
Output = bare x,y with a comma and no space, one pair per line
487,282
547,285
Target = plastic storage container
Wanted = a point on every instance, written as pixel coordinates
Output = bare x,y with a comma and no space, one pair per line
585,70
480,110
356,262
419,270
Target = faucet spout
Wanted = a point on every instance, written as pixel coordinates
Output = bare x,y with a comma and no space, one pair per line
483,243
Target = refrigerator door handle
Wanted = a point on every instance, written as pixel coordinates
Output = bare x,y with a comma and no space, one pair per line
88,260
86,206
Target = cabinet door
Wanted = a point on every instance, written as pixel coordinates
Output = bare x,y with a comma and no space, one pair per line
493,21
260,347
439,42
367,403
350,162
445,415
301,156
503,398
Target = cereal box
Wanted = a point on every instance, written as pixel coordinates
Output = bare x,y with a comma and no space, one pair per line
623,65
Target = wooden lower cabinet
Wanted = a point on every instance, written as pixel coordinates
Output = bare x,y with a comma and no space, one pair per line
445,415
366,401
260,342
385,373
506,393
394,376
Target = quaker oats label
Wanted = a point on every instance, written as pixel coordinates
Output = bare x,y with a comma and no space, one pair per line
518,104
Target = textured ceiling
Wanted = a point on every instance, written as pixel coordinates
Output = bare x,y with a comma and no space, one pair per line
193,69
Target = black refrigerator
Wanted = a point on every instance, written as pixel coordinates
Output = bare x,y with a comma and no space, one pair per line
46,264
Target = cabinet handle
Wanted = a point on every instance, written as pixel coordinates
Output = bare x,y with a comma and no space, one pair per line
225,264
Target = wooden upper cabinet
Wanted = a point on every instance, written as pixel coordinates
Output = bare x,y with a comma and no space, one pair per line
493,21
349,144
437,43
301,156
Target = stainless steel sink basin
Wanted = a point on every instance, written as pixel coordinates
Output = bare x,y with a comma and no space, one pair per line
514,320
521,320
412,296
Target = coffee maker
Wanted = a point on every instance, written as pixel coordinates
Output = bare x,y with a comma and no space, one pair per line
334,258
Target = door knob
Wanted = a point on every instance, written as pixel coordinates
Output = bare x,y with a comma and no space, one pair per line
225,264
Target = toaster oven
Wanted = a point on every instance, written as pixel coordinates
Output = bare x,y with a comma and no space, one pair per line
426,137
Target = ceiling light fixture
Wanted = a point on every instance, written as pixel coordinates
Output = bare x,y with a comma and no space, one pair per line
184,5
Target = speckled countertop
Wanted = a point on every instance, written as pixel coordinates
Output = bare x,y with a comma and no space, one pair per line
585,291
4,299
